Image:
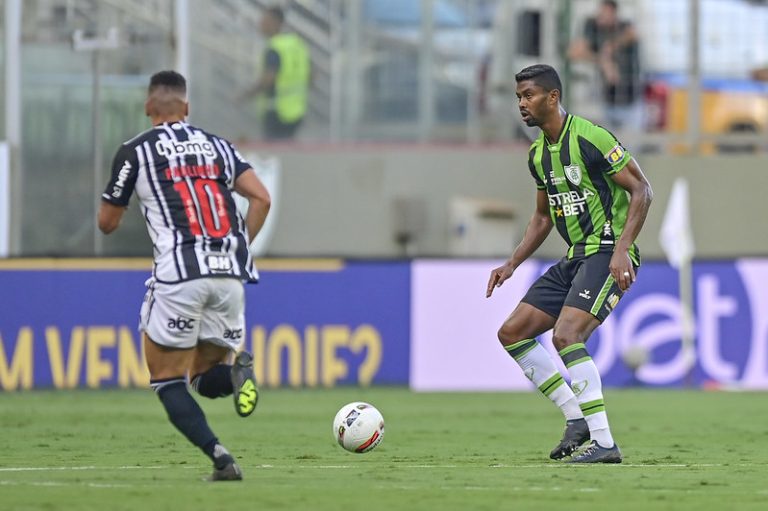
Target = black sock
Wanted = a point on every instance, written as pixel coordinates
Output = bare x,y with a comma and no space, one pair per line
187,416
215,382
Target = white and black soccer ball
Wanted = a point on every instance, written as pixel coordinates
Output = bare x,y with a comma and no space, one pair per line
358,427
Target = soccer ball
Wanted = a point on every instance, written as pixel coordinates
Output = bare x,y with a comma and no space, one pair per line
358,427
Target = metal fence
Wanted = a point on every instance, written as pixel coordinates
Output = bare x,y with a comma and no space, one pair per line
384,70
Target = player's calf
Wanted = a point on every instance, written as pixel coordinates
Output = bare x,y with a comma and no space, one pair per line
184,413
215,382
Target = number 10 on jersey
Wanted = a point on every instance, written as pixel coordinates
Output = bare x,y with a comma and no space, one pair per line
205,207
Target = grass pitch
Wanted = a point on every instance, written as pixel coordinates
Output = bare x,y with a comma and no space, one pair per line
115,450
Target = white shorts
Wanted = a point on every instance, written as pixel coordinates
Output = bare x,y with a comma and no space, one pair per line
207,310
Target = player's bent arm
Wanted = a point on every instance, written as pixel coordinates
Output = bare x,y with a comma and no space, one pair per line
632,179
250,186
536,232
109,217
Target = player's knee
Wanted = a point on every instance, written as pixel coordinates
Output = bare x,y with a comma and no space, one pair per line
564,337
508,334
560,343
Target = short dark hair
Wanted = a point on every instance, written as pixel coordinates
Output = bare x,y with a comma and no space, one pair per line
276,12
170,79
612,4
542,75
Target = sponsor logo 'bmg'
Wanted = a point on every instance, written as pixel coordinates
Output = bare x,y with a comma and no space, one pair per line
194,146
182,324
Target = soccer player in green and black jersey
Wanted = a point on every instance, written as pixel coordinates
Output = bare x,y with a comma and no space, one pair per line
593,191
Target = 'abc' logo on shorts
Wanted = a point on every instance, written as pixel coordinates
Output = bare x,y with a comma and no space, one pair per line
234,333
181,324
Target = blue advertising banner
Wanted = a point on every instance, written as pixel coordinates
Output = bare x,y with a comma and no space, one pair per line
308,325
424,323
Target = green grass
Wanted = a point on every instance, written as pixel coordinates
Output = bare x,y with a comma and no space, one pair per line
99,450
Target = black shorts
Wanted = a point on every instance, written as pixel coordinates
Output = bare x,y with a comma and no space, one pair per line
584,283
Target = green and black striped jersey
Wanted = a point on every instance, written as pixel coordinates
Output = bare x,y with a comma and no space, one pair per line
587,207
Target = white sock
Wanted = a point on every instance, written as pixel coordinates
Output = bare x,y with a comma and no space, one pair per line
588,388
538,366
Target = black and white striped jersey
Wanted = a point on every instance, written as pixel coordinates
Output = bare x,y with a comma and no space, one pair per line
183,177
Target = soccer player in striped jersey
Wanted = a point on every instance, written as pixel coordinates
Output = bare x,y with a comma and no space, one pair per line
592,190
193,316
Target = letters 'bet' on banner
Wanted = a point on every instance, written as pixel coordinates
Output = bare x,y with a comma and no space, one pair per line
454,346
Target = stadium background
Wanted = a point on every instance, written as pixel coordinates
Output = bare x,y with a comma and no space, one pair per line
406,185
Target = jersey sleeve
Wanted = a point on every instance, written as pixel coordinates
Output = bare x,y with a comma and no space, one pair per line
532,169
125,169
241,164
610,156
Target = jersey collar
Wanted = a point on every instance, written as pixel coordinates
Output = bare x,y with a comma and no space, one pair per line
555,148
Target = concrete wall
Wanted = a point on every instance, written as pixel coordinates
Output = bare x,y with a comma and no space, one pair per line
342,200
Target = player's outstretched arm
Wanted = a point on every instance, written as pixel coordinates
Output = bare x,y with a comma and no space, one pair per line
632,179
535,233
250,186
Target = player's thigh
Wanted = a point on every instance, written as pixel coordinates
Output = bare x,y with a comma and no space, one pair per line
165,362
525,322
223,317
594,289
540,306
171,313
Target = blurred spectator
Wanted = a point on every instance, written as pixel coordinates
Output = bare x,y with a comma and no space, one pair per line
282,88
760,74
612,44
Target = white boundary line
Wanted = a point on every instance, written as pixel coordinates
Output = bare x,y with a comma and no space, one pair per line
473,488
87,467
388,462
514,489
6,482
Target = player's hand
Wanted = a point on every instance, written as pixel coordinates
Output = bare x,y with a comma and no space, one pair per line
498,276
622,270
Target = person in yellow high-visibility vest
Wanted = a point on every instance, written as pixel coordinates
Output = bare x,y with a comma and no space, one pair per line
282,88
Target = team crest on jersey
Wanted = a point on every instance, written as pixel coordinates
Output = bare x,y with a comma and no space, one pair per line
573,173
616,154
